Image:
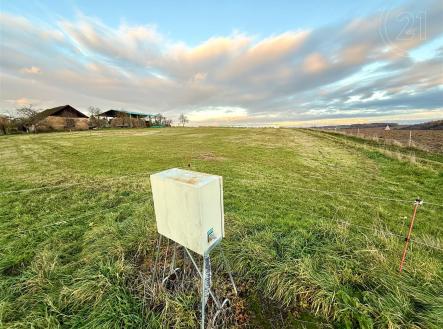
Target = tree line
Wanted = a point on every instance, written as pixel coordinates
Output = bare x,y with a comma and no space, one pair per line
20,121
97,120
23,119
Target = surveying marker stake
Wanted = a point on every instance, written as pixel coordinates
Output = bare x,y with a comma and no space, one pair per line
418,202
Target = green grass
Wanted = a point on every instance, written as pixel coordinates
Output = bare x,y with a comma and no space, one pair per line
72,256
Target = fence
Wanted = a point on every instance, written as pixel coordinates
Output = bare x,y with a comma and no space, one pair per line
61,220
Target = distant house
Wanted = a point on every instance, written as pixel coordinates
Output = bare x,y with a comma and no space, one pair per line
61,118
387,128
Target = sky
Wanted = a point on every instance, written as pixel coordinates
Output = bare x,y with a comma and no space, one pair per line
247,63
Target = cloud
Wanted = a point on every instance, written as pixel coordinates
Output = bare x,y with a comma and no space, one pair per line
22,101
218,115
348,69
31,70
431,99
135,45
13,25
315,63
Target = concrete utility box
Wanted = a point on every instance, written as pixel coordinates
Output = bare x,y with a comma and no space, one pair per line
189,208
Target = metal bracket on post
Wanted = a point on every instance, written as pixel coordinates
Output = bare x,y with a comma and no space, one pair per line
214,298
205,275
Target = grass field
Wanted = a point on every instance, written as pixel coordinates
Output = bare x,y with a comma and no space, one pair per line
315,226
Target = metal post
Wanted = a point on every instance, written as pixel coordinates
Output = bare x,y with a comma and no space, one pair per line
417,203
214,298
203,299
228,268
166,259
173,258
157,254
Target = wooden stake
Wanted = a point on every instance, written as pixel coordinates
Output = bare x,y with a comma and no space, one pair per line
410,138
417,203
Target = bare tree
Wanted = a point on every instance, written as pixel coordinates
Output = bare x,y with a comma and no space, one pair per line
94,116
158,119
94,111
183,119
123,119
4,124
27,117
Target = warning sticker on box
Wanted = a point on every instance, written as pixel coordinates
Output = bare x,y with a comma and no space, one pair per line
211,235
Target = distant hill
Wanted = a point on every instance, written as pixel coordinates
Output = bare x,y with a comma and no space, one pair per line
431,125
363,125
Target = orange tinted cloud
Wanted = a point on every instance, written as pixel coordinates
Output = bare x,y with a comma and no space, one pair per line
315,63
31,70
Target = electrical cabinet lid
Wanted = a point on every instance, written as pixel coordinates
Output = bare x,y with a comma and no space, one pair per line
189,208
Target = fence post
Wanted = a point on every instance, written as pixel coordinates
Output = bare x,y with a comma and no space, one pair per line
417,203
410,138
